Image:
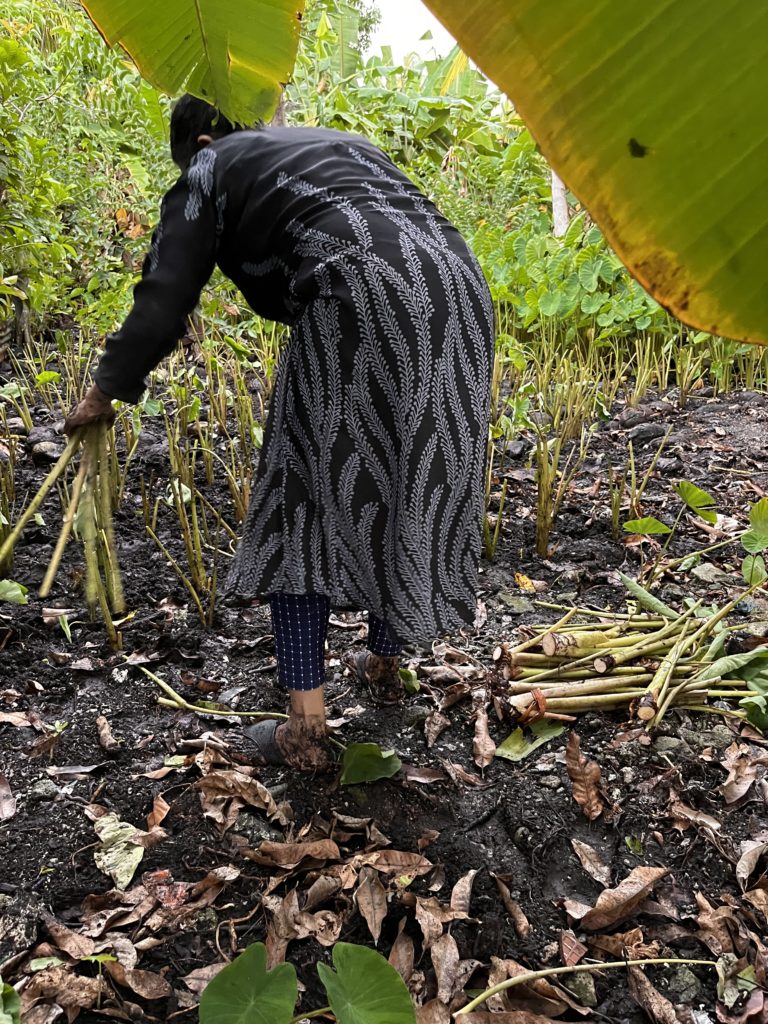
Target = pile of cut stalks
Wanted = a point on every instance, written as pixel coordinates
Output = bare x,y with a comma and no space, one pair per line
88,512
646,661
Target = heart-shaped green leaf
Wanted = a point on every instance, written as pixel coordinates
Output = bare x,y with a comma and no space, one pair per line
757,711
650,526
365,989
12,592
245,992
10,1005
367,762
753,570
755,540
698,501
517,746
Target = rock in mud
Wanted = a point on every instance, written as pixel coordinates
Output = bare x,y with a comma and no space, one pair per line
644,433
43,790
47,451
20,918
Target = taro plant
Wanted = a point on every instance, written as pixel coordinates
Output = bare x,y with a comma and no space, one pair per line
363,989
10,1004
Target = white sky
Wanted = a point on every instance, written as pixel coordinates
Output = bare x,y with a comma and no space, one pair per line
403,23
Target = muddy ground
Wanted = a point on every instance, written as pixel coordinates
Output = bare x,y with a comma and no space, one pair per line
518,821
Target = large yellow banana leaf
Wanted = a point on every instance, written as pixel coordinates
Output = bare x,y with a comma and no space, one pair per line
235,53
655,113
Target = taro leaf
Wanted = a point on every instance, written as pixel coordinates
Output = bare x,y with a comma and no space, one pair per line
516,746
755,540
618,96
367,762
365,989
757,712
13,593
234,55
10,1004
753,570
245,992
649,526
698,501
733,665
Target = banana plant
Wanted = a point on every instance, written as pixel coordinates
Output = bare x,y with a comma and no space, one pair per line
652,113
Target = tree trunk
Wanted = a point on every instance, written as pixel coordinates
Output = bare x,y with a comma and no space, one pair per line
559,206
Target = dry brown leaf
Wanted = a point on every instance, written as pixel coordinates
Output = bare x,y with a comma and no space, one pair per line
402,955
752,852
741,772
432,915
616,905
321,891
454,694
462,777
631,943
288,922
461,894
427,838
585,776
434,726
649,999
145,984
425,776
69,942
7,799
159,812
43,1014
512,1017
19,719
753,1011
445,960
433,1012
718,928
483,746
572,951
106,740
759,900
72,992
537,997
683,816
371,900
197,980
394,862
592,862
290,855
223,794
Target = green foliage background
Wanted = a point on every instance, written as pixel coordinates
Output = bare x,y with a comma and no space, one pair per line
83,163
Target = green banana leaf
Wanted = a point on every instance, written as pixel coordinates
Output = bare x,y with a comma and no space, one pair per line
653,113
234,53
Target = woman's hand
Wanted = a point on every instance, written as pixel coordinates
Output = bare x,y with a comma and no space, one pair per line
96,407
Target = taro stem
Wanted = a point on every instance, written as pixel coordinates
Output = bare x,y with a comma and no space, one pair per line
67,524
649,704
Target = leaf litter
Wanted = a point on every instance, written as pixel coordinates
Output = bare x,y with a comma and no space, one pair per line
652,846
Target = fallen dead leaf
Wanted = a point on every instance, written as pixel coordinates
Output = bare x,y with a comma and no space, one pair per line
427,838
290,855
434,726
683,816
650,1000
145,984
159,812
197,981
224,793
394,862
483,747
106,739
512,1017
74,945
616,905
371,900
585,776
462,777
72,992
631,944
592,862
742,772
433,1012
7,800
445,960
19,719
424,776
513,908
759,900
461,894
402,955
752,852
120,850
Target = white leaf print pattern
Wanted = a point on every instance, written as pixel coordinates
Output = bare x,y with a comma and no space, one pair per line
200,178
370,485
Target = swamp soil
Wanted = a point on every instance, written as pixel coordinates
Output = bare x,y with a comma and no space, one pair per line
61,687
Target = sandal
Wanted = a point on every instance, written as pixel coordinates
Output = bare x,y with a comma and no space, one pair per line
379,674
259,746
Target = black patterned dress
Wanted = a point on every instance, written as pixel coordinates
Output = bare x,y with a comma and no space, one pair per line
369,487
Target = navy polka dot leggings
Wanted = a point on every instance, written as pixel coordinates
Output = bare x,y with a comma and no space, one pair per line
300,625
